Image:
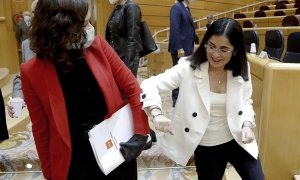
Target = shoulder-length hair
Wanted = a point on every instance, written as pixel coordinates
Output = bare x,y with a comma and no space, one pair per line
57,27
231,29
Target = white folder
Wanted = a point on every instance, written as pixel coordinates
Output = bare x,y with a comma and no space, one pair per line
106,137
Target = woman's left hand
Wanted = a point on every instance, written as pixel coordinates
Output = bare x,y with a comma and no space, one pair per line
247,135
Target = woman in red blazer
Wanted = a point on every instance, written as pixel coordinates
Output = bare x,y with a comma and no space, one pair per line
76,81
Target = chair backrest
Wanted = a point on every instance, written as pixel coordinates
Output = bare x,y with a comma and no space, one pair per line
248,24
260,13
279,13
264,8
297,5
290,21
274,42
280,6
282,2
297,11
292,54
238,16
250,37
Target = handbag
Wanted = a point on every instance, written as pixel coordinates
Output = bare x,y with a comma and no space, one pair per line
148,42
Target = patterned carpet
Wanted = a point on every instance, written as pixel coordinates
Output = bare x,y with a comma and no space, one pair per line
19,160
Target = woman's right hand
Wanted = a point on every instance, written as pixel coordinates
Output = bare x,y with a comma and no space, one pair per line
162,123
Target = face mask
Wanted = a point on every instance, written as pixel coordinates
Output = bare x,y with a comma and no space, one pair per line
190,1
90,36
113,1
27,19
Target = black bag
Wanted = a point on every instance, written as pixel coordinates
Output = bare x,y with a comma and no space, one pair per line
148,42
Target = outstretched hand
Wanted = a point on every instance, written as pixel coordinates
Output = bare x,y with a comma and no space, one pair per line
163,124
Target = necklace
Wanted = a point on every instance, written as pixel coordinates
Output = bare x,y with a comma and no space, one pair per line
220,78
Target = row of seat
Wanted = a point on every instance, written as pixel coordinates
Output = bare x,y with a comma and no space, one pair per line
291,20
274,44
261,12
281,5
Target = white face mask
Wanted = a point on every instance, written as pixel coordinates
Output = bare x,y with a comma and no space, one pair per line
113,1
90,36
27,19
190,1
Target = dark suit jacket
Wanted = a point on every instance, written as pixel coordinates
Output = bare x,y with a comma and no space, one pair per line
21,31
3,128
182,30
47,108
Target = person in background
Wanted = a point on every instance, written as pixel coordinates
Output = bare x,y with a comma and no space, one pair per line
74,82
27,54
182,34
123,32
210,20
22,27
3,127
213,117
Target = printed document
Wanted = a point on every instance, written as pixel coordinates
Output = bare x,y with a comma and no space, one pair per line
106,137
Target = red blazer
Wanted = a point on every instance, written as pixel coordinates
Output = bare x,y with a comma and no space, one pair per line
46,104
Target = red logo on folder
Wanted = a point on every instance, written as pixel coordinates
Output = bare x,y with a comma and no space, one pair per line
109,144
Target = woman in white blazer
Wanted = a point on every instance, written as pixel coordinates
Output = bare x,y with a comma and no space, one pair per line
213,117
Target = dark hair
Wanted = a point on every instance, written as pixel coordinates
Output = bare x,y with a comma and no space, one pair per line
233,31
180,0
57,26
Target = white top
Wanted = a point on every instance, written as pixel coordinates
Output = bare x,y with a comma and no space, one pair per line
218,131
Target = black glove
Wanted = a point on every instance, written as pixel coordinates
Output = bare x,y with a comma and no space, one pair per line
152,139
133,148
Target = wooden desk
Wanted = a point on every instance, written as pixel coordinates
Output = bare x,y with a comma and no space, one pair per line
291,5
290,11
273,21
276,102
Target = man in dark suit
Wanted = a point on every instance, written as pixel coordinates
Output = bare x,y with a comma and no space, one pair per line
182,34
22,27
3,128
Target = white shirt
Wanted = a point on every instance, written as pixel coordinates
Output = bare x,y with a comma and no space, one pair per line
218,131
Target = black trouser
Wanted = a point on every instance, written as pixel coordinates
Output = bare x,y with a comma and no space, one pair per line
84,165
175,91
3,127
211,162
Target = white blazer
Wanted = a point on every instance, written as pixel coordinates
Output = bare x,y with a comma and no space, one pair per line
192,111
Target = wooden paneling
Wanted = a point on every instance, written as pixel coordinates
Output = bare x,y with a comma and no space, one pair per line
159,62
18,6
8,44
275,100
274,21
104,10
280,126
